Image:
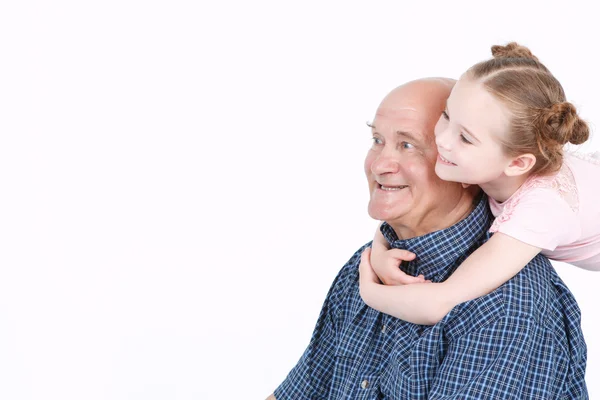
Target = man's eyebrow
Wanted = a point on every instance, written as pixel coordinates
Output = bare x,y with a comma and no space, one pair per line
409,135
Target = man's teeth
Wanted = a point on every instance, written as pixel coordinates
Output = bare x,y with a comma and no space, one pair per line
392,187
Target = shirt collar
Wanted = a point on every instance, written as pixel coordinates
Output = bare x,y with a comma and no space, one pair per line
439,253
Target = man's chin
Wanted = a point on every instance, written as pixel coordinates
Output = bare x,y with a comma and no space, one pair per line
384,215
374,213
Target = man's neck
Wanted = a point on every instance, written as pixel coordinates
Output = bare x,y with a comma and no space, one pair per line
438,251
448,214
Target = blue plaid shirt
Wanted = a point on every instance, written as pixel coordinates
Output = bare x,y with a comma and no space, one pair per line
522,341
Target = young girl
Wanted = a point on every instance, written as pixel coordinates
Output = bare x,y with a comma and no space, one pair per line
504,128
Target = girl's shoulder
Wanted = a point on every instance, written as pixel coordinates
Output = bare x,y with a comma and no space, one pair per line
540,198
561,184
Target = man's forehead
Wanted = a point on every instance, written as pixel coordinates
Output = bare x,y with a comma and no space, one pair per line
400,115
400,118
395,110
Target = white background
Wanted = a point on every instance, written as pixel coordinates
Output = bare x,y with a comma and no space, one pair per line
181,181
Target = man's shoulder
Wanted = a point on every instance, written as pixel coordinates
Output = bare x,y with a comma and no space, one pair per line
347,276
350,269
539,292
530,296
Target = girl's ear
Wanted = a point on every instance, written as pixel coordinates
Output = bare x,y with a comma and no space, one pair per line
520,165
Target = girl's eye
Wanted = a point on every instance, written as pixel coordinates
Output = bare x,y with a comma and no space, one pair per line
464,139
445,115
406,145
376,140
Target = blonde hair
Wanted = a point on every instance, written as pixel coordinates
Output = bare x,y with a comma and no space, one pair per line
542,120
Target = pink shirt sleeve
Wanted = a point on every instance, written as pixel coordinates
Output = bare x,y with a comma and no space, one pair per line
540,218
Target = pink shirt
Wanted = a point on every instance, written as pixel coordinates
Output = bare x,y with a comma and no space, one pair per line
559,213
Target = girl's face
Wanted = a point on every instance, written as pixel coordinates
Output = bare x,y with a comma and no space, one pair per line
468,136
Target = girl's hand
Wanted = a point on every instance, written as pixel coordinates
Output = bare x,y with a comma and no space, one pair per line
386,265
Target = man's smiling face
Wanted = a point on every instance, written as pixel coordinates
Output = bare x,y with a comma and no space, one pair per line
400,166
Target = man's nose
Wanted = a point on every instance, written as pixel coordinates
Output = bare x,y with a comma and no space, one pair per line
386,163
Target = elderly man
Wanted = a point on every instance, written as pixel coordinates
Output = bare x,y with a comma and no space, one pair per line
522,341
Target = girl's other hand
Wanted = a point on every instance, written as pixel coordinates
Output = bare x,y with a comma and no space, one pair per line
387,267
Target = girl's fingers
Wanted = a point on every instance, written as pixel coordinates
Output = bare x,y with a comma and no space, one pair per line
404,279
396,276
400,254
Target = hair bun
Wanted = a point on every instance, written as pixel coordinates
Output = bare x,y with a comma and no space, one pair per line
512,50
561,123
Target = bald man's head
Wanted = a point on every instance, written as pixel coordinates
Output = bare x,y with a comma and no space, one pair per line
427,96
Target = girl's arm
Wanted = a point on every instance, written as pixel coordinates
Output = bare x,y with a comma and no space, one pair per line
491,265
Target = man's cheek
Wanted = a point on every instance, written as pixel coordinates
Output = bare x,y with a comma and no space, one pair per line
368,162
416,169
431,154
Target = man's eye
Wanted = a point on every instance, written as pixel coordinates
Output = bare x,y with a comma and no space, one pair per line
406,145
464,139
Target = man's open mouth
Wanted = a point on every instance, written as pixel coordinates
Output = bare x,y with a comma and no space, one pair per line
392,188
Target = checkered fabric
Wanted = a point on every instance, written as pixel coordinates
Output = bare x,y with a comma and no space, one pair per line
522,341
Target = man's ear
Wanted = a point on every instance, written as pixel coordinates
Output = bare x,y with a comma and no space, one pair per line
520,165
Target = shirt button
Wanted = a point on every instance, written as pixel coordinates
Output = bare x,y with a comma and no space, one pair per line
364,384
383,328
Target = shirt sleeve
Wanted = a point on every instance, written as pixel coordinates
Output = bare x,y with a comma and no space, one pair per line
541,219
312,375
512,358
